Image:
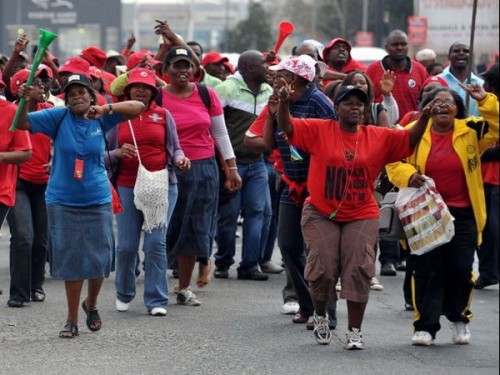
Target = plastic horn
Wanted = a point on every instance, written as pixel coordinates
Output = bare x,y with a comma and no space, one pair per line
286,28
46,37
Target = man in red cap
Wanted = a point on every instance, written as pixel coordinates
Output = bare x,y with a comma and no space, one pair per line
213,62
337,57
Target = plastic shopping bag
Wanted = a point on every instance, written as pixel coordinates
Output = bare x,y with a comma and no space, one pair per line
426,220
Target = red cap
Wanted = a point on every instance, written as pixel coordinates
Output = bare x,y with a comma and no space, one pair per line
435,79
20,77
229,66
142,75
135,58
76,65
44,68
95,72
95,56
213,57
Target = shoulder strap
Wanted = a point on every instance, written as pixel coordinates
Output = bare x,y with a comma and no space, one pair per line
205,96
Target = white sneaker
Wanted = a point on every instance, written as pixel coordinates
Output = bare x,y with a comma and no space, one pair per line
375,284
290,308
321,329
187,298
338,286
270,267
354,340
422,338
461,333
122,306
158,311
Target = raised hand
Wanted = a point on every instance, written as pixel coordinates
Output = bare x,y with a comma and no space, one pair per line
21,44
475,90
387,82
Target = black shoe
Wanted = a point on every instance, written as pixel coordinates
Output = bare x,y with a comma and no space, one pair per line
38,295
15,303
401,265
256,276
480,284
388,269
175,273
221,273
409,306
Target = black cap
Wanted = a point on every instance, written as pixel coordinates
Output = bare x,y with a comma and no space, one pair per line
73,79
345,91
177,54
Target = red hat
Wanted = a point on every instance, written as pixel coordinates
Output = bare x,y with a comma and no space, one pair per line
142,75
46,69
435,79
213,57
95,72
95,56
229,66
135,58
20,77
76,65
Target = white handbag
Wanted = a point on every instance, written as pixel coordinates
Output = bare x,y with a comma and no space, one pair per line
151,193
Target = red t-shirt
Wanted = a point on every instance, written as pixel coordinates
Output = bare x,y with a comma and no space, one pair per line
491,170
34,170
445,168
17,140
406,87
344,186
149,131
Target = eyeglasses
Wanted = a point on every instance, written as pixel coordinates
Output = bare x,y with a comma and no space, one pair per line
447,102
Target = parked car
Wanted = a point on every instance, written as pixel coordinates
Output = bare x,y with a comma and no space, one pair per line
367,55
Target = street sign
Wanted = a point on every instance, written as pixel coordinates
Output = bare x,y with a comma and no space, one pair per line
364,39
417,30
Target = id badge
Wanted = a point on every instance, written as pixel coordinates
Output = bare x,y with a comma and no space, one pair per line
78,173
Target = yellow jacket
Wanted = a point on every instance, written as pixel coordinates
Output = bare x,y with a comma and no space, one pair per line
471,137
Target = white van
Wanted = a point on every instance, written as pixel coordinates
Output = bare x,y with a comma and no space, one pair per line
367,55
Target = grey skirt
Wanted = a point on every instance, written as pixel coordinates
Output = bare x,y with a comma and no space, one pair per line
193,222
81,241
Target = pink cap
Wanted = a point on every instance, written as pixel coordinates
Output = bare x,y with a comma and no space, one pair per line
142,75
303,66
95,72
135,58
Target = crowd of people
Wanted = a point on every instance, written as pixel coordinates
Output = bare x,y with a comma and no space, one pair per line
292,147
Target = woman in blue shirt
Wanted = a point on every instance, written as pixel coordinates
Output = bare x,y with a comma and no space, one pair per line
78,193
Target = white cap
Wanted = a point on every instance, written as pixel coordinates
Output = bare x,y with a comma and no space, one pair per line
425,54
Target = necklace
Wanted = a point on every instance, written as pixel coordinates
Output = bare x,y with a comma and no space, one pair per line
350,156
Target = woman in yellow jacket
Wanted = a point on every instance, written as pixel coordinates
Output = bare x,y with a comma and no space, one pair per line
450,153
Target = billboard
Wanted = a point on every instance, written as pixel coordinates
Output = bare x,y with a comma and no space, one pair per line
449,21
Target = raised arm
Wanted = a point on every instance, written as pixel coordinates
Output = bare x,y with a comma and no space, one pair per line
283,112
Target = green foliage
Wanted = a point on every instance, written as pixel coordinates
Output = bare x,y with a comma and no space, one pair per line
252,33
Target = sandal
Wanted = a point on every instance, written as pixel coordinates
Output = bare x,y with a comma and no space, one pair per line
93,318
204,274
69,331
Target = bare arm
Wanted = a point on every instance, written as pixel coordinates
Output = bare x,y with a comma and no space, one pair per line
283,112
128,108
15,157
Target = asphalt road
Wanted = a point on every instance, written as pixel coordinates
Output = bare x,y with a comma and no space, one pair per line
237,330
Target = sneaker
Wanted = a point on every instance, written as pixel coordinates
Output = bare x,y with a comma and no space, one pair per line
187,298
255,276
388,269
480,284
461,333
332,324
270,267
375,284
338,286
409,306
354,340
158,311
401,265
290,308
122,306
321,329
422,338
221,273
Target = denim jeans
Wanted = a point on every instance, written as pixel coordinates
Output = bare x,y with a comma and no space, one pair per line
270,227
155,256
29,240
251,199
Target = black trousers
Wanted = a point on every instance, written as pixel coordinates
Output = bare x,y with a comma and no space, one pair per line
442,279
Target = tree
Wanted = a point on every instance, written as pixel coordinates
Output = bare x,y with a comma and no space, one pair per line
252,33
